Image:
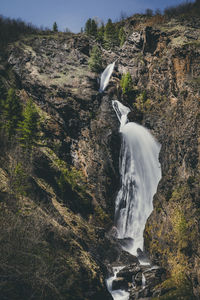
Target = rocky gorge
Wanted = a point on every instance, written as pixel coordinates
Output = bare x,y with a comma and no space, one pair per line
74,173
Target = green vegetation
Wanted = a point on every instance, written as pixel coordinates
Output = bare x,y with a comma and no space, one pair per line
187,8
179,232
12,30
17,122
95,61
126,84
71,182
91,28
74,178
100,34
101,216
11,113
55,27
109,36
122,36
19,182
142,102
178,287
29,126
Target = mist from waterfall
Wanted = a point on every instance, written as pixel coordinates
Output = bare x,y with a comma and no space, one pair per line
105,76
140,173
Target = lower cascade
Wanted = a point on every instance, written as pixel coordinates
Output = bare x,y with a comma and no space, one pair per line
140,173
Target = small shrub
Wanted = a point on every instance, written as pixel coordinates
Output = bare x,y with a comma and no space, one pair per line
126,84
20,180
101,216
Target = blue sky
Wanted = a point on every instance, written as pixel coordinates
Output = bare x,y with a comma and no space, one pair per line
74,13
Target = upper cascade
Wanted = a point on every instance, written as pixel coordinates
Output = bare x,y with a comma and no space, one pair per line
121,112
140,173
105,76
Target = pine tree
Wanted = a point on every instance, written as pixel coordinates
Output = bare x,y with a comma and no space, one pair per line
100,34
110,36
122,36
88,26
95,61
11,113
29,126
93,28
55,27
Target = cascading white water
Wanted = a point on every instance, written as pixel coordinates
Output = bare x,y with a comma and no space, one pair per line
116,294
140,173
105,76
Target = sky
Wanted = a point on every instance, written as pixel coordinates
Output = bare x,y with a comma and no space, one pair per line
73,14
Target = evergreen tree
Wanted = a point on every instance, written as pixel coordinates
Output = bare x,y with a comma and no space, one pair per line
100,34
29,126
93,31
149,12
91,27
11,113
95,61
122,36
110,37
88,26
55,27
127,84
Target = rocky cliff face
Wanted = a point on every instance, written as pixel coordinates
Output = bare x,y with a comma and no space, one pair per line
80,133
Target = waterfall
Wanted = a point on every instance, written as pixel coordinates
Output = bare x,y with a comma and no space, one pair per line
143,281
116,294
140,173
105,76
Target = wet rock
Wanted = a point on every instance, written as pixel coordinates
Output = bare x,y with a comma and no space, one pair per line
129,272
154,276
127,258
143,258
135,115
138,279
119,284
126,241
145,282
